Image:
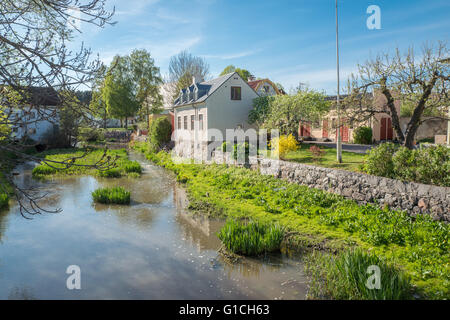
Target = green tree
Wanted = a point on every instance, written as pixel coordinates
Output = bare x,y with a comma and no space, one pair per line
245,74
284,112
147,79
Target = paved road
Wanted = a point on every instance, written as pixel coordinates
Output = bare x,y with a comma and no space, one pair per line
357,148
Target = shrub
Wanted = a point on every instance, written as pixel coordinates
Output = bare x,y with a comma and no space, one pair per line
347,275
133,166
252,238
116,195
283,145
160,132
317,153
362,135
379,160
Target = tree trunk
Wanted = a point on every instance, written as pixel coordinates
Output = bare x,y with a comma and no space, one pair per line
126,123
414,123
394,114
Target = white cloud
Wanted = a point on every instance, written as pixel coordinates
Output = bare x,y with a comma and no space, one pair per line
131,7
160,51
231,55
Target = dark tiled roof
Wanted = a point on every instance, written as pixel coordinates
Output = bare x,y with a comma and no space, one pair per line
205,89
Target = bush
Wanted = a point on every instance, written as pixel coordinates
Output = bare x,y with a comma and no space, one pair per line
317,153
429,165
160,133
252,238
283,145
379,160
362,135
117,195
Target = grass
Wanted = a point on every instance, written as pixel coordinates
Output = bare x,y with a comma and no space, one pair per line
352,275
123,165
350,160
251,238
419,246
116,195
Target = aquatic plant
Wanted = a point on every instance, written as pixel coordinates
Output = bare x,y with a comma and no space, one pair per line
116,195
251,238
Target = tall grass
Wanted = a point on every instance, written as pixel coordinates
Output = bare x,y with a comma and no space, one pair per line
116,195
346,276
252,238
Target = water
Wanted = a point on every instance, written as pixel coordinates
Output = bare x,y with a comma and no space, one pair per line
152,249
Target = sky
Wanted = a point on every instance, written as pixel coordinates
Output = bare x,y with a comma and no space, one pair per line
287,41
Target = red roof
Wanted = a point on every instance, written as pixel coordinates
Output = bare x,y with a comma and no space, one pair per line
254,84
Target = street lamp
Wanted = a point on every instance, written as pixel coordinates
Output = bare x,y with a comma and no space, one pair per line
338,107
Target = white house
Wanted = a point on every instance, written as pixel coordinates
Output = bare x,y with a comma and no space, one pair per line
38,117
220,104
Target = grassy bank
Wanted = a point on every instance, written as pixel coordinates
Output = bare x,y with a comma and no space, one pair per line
123,166
319,220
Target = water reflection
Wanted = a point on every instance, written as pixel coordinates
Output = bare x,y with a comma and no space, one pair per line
153,249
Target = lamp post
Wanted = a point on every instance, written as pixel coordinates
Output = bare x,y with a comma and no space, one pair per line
338,107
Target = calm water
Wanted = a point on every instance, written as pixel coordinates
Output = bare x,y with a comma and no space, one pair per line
152,249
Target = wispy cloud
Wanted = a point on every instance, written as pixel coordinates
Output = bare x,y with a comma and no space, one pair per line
132,7
160,51
230,56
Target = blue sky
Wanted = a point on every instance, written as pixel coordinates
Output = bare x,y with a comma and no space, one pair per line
288,41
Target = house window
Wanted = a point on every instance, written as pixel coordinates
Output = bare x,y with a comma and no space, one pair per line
185,123
333,123
179,123
200,122
192,123
235,93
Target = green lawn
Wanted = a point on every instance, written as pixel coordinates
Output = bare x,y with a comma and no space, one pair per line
350,160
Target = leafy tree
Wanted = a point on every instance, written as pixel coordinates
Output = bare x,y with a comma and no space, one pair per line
420,83
147,79
119,97
284,112
245,74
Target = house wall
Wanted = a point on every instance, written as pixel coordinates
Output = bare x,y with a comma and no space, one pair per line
37,130
224,113
428,129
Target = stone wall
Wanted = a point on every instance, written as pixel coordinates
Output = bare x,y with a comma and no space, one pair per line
412,197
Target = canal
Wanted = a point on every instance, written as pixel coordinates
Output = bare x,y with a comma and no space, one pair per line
152,249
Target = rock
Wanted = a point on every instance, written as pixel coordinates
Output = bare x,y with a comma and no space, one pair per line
423,204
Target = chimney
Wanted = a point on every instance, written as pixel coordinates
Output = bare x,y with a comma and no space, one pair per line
251,78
